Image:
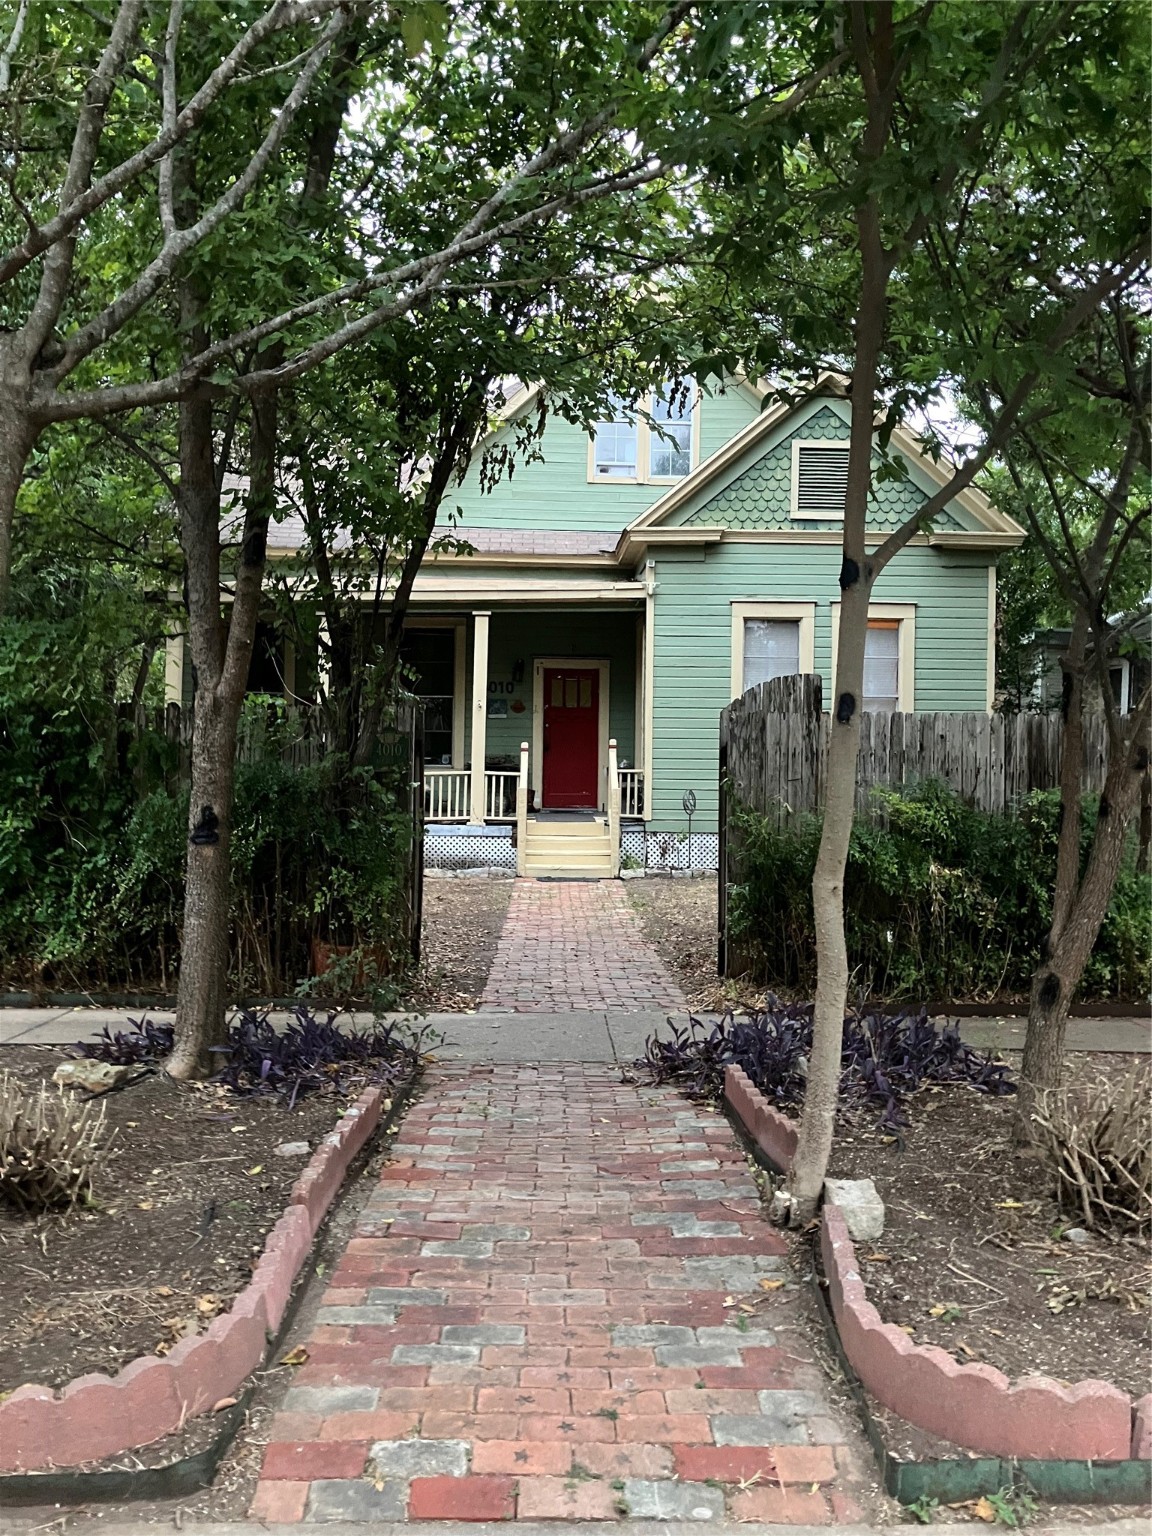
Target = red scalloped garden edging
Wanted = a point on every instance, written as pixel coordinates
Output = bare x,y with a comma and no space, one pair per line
97,1416
975,1406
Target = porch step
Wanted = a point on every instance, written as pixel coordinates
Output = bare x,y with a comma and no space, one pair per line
592,826
573,849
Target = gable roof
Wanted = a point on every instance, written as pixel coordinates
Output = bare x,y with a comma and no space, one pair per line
991,527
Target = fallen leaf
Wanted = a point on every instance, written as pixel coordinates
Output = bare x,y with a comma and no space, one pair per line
771,1285
878,1258
163,1290
225,1402
209,1302
1008,1205
235,1128
145,1205
984,1510
259,1168
295,1356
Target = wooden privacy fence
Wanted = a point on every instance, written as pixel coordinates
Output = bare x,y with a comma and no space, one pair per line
774,752
774,747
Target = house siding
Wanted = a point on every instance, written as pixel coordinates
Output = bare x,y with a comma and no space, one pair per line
761,496
553,491
523,637
693,640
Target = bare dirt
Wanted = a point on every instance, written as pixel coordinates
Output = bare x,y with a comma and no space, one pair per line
178,1220
973,1257
462,924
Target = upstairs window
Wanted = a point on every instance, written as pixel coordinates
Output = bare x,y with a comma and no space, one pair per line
819,479
614,446
670,447
882,666
627,446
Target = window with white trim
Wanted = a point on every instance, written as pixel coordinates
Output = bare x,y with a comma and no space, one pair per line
882,666
889,657
770,639
670,447
614,455
819,479
626,445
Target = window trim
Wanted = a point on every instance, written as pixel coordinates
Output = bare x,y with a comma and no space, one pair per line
644,438
794,485
748,608
905,615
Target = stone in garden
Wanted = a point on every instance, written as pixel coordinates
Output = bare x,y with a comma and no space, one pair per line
292,1149
862,1207
91,1076
1077,1235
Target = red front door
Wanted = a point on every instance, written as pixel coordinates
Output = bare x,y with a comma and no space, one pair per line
571,737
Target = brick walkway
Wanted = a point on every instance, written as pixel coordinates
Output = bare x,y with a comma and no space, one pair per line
572,944
561,1302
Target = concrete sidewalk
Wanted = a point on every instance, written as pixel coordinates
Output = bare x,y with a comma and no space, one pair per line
582,1034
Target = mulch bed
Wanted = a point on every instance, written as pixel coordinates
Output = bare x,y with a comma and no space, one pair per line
463,920
180,1217
972,1259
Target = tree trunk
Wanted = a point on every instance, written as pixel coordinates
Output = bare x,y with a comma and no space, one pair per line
18,433
822,1089
202,997
1068,952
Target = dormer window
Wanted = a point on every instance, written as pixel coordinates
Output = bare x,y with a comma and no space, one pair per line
628,447
819,480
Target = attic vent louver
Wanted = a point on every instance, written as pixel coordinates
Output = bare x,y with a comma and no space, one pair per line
821,471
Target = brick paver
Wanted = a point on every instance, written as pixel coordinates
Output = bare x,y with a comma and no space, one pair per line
561,1302
575,944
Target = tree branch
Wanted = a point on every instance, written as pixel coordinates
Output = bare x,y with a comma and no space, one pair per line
168,115
11,46
179,242
1002,428
78,204
85,143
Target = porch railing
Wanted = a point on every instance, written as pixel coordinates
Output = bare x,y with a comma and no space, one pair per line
631,791
614,807
447,794
522,809
500,795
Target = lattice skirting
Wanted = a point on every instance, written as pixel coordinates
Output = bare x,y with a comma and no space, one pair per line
455,847
641,849
458,847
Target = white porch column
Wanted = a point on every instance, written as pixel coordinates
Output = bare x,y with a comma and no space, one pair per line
174,669
479,713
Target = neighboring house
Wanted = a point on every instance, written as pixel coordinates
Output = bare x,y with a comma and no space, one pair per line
1128,674
625,586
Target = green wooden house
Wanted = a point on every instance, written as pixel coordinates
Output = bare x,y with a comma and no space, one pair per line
625,586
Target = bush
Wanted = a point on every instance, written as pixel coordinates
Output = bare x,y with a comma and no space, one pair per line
309,1055
318,854
1098,1145
885,1058
50,1147
940,901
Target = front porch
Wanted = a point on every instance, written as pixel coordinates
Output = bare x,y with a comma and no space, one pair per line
551,702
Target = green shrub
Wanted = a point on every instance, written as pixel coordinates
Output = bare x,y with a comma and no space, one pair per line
318,854
940,901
